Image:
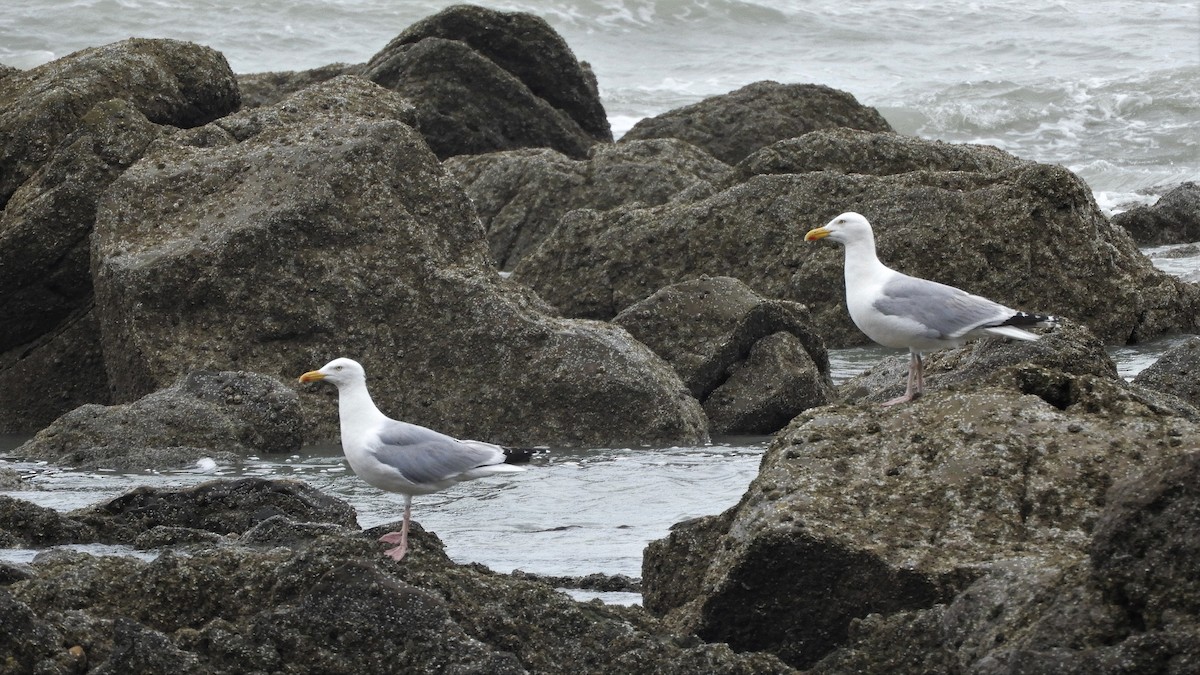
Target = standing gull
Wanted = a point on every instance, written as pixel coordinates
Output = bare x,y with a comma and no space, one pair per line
897,310
398,456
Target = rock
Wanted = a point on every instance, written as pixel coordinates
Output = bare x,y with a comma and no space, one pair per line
860,510
331,602
1174,219
524,45
1070,348
484,81
24,524
30,645
732,126
170,82
260,90
777,381
60,371
1030,236
44,228
220,506
203,414
1128,608
324,227
1176,372
845,150
521,194
755,363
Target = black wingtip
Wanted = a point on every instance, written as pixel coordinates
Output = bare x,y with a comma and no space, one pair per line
521,455
1027,320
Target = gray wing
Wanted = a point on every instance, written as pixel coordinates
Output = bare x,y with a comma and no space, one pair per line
426,456
945,311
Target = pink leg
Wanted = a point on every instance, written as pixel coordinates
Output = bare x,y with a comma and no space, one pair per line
916,381
400,537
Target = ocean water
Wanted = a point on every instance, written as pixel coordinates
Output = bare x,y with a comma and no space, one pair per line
1108,88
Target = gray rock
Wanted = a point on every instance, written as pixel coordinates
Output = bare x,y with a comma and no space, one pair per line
1174,219
710,329
1070,348
859,510
332,603
1030,237
524,45
170,82
1176,372
777,381
734,125
521,194
204,414
25,524
324,227
56,373
260,90
1128,608
845,150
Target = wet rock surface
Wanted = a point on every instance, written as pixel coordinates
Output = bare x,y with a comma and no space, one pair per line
326,598
1176,372
1173,219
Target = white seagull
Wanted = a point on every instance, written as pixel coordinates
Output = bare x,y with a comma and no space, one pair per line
398,456
897,310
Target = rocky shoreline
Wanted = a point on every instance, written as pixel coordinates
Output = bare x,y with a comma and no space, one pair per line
178,242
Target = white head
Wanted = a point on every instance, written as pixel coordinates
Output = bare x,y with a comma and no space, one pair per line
846,228
339,372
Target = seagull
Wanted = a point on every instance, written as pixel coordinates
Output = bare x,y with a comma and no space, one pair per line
897,310
400,457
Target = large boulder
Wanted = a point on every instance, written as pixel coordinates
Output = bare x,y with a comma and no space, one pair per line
170,82
1130,607
1029,236
524,45
863,510
754,363
203,414
67,129
521,194
279,238
1176,372
483,81
1173,219
317,595
732,126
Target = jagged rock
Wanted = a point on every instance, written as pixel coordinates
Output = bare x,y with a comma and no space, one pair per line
755,363
732,126
323,227
1030,236
521,194
326,599
1176,372
484,81
203,414
24,524
1174,219
861,510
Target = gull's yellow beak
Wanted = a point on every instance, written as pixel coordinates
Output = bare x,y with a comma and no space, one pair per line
819,233
312,376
